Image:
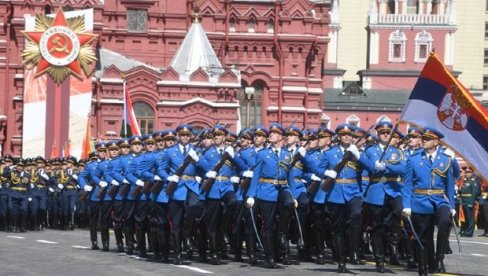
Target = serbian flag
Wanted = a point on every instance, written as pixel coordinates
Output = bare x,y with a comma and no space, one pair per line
440,101
129,122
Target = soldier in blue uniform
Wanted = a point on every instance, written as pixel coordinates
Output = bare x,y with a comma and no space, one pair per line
145,170
343,198
428,197
220,198
116,166
483,201
270,186
5,165
318,216
19,195
67,183
39,178
184,200
383,194
128,185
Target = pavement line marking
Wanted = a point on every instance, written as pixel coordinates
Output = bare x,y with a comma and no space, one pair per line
48,242
195,269
15,237
80,247
478,255
465,241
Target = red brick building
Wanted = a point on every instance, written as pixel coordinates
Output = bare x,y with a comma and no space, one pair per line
244,62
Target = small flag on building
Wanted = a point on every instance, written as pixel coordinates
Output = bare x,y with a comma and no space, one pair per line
129,122
439,100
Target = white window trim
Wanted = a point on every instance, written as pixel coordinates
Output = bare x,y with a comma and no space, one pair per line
353,118
383,118
423,38
397,37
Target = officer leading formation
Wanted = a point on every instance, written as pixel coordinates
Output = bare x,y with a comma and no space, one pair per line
215,194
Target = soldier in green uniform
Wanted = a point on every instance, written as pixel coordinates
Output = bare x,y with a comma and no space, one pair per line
469,192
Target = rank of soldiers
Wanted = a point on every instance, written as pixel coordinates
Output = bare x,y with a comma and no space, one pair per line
211,192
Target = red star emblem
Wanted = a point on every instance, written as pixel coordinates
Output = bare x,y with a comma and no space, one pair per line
59,45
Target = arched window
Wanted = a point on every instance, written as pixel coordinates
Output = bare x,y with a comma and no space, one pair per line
398,41
232,25
353,120
251,25
391,7
383,118
325,121
270,26
423,46
145,117
251,98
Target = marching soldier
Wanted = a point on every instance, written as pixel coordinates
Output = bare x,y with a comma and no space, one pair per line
7,162
67,183
184,200
270,186
469,192
19,195
483,201
39,179
383,194
343,198
428,197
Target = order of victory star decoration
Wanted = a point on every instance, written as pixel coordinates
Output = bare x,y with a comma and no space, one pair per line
59,47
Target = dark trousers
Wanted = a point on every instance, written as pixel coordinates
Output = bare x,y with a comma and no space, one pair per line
424,225
269,210
484,214
469,220
219,214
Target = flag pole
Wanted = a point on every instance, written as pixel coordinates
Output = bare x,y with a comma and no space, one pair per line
125,108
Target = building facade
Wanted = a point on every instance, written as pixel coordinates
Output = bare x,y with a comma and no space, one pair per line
261,62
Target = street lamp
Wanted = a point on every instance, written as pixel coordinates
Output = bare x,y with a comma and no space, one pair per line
249,92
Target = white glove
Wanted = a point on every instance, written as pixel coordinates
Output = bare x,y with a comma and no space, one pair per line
45,176
302,151
30,199
230,151
40,171
249,202
407,212
235,179
157,178
354,150
140,183
75,176
315,178
211,174
22,174
103,184
114,182
331,173
379,166
32,186
453,212
295,203
449,153
51,189
248,174
173,178
125,181
483,197
1,187
60,186
88,188
193,154
198,179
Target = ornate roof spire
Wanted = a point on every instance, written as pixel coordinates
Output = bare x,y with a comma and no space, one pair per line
195,11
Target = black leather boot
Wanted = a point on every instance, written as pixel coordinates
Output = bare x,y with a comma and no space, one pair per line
251,248
105,239
212,244
353,242
141,241
163,239
93,236
129,239
378,250
176,248
119,239
393,245
340,248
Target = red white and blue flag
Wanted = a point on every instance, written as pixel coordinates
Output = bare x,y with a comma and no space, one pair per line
440,101
129,124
